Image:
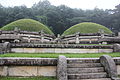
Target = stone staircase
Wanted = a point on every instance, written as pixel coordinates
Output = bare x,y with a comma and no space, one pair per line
103,68
86,69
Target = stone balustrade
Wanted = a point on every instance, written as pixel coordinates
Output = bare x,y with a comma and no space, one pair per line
38,66
82,38
36,45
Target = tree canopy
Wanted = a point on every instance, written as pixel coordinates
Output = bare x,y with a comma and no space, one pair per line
60,18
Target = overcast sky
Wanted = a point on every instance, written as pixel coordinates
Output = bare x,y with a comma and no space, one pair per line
83,4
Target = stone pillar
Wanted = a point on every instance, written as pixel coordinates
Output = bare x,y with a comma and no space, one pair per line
42,36
118,34
29,39
102,33
58,38
62,68
42,39
5,48
116,48
77,38
110,66
16,30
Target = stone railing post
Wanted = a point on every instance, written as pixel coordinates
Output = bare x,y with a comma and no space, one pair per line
62,68
77,38
116,48
42,36
110,66
118,34
16,30
6,47
101,31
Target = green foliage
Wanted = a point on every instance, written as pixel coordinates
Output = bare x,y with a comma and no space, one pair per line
28,25
55,55
60,18
86,27
27,78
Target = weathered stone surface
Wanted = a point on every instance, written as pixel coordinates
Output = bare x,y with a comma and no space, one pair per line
5,47
105,50
82,60
118,69
87,76
85,70
59,50
116,48
28,61
110,66
62,68
84,65
27,71
46,66
22,71
117,60
3,71
38,45
46,70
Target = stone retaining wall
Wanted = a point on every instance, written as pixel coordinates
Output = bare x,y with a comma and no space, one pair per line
59,50
34,66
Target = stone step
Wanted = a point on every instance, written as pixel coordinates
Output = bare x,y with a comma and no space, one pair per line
83,60
92,79
85,70
87,75
84,65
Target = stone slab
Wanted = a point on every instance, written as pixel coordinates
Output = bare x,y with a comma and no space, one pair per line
22,71
3,70
46,71
59,50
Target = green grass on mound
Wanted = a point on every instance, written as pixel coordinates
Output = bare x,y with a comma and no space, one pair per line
27,25
27,78
86,27
55,55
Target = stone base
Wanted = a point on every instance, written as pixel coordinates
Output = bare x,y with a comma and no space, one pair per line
28,71
59,50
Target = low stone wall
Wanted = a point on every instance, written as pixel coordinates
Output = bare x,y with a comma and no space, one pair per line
28,66
60,50
27,70
34,66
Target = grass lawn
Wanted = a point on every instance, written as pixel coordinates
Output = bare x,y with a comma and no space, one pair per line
55,55
27,78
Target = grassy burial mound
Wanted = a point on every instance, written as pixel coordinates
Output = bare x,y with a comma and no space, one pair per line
86,27
27,25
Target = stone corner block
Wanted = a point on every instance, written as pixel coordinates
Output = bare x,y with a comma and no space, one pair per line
116,48
62,68
109,65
